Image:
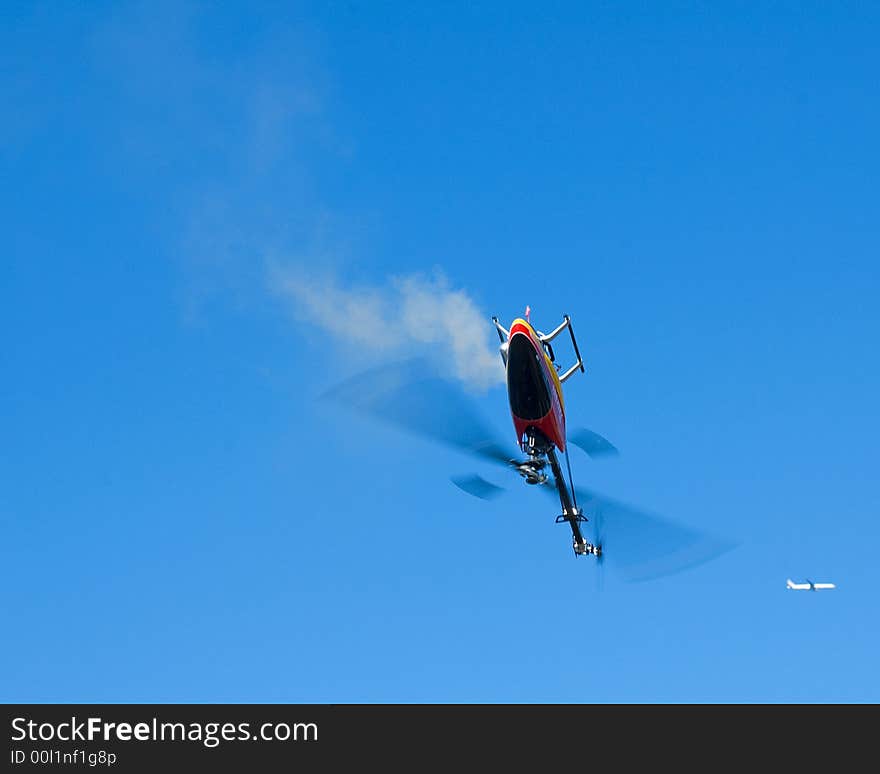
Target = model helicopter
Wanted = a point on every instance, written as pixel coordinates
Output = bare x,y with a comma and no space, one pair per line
413,396
537,406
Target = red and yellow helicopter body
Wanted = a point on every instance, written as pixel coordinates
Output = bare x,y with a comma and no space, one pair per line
533,386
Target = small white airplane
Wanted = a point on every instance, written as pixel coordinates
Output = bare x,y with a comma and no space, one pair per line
808,586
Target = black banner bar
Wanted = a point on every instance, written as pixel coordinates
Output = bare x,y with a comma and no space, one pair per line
269,737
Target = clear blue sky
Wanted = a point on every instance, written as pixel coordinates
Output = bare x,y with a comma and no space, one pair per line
695,183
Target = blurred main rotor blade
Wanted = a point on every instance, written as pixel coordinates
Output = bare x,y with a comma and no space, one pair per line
411,396
593,443
642,546
477,486
645,546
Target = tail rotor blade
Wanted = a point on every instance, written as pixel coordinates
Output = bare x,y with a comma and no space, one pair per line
599,538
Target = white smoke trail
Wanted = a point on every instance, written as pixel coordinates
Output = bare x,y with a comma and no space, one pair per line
409,313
